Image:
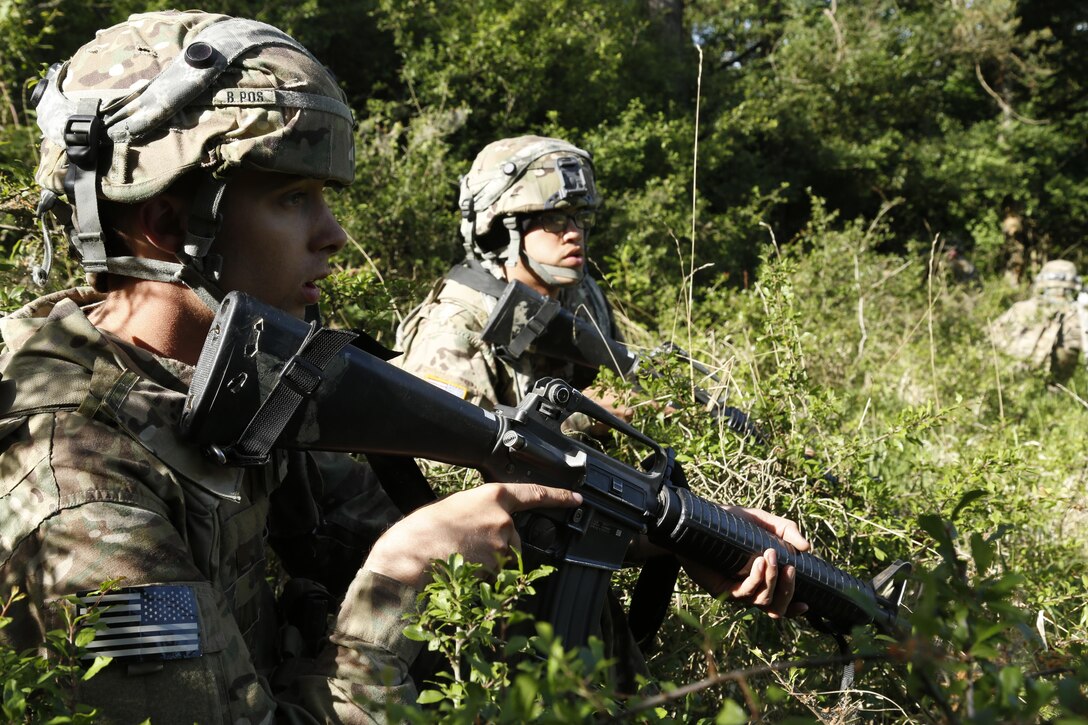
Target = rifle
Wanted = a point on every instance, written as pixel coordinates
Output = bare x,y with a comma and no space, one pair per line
524,317
267,379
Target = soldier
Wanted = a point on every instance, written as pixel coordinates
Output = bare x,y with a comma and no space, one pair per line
1047,331
192,151
528,204
195,150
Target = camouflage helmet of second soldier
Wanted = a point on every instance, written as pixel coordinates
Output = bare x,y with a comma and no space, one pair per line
1057,279
518,176
163,94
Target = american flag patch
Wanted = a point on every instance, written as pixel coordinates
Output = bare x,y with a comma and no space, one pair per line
145,623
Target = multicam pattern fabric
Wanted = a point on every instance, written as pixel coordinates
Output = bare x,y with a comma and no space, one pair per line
1057,279
95,484
1042,334
441,343
518,175
274,108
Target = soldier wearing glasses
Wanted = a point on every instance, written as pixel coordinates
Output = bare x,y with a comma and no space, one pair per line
527,205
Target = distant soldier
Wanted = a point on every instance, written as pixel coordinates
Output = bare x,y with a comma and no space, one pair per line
1048,330
528,204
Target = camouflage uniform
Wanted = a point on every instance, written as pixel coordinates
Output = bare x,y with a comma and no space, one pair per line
441,343
441,339
97,485
509,179
1047,331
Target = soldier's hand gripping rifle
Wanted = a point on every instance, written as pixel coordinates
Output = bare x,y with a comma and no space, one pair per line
524,317
266,379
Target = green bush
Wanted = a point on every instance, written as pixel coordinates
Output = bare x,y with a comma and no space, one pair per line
44,688
799,252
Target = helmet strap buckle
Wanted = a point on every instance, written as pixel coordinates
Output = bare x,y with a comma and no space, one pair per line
513,250
84,133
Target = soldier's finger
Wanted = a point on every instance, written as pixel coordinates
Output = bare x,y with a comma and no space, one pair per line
751,583
526,496
770,579
783,594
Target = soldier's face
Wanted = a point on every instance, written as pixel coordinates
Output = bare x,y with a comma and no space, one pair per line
565,248
276,238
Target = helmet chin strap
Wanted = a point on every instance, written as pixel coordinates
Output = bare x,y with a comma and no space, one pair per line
552,275
197,268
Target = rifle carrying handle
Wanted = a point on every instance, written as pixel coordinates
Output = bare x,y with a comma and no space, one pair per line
701,530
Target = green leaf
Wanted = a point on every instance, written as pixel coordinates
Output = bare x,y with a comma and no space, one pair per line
430,697
982,552
415,633
965,500
936,527
84,637
1012,681
96,667
731,714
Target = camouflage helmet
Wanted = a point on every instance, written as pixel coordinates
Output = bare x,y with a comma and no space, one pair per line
165,93
1057,278
522,175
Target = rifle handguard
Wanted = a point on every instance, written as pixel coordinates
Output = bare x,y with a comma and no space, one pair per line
703,531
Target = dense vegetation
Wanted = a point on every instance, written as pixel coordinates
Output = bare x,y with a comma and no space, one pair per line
783,181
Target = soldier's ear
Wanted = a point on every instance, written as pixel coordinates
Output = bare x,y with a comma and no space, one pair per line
162,222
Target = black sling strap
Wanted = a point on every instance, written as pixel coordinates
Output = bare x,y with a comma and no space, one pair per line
472,274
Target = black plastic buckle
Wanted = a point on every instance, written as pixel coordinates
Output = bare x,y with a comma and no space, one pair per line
82,137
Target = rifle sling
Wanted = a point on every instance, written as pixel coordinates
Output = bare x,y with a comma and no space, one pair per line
299,378
653,591
651,599
402,481
399,476
472,274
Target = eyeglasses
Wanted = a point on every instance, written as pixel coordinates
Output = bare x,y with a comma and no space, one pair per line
555,222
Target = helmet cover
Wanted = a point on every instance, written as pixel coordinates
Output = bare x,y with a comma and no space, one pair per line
166,115
1058,277
522,175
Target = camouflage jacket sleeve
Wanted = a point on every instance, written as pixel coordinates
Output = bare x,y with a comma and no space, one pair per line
69,525
446,350
444,347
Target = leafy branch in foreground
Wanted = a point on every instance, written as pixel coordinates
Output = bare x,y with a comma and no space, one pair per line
497,664
45,689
